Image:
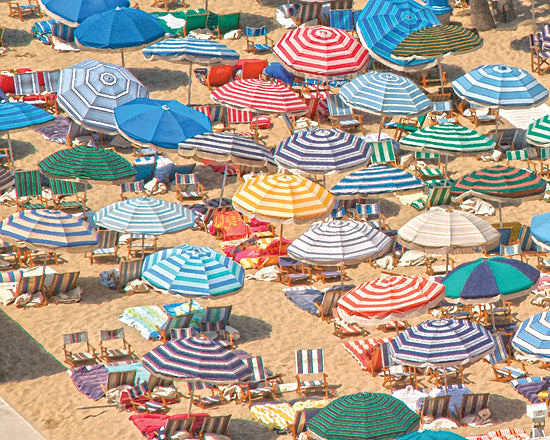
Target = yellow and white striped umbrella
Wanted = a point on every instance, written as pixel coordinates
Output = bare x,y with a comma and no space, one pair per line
283,198
442,232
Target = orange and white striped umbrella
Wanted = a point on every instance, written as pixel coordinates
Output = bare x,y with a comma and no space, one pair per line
283,198
387,299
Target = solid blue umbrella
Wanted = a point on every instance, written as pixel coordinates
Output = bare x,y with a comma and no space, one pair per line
119,28
533,336
152,122
193,271
90,90
322,151
383,24
540,229
73,12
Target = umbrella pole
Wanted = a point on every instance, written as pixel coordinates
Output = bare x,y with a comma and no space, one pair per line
142,245
45,262
122,57
189,85
11,152
445,379
447,264
380,127
493,319
281,239
497,117
223,184
190,402
500,212
440,75
256,126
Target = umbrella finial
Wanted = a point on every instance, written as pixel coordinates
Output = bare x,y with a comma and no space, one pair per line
165,107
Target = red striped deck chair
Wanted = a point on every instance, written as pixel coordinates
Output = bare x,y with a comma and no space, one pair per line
137,188
84,354
62,283
27,186
310,363
343,329
235,116
117,347
119,378
215,425
261,385
364,353
436,407
174,322
30,285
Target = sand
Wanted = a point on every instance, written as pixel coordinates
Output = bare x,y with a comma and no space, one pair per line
37,385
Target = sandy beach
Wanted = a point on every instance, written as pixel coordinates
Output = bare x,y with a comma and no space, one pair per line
35,383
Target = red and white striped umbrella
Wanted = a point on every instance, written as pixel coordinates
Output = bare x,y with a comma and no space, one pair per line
260,96
321,52
387,299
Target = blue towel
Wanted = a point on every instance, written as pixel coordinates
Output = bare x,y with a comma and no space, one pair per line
305,298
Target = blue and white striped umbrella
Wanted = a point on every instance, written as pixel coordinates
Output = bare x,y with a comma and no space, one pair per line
339,242
194,359
48,229
90,90
322,151
533,336
383,24
376,179
500,86
193,50
442,343
145,215
193,271
385,93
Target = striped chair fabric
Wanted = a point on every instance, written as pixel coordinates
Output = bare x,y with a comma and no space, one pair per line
75,338
217,314
174,426
63,31
260,385
473,403
42,30
215,425
26,83
439,195
544,153
183,181
63,282
523,380
114,353
526,239
436,406
174,322
107,244
205,401
255,33
341,4
78,357
510,250
118,378
438,374
365,210
500,355
382,152
135,187
129,271
61,187
516,155
183,333
51,81
138,390
392,372
338,212
309,361
28,184
239,117
204,109
108,335
307,12
342,19
29,285
337,109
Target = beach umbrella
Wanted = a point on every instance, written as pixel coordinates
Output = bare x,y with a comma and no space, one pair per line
90,90
388,299
540,230
6,179
73,12
158,123
227,148
322,151
441,343
538,132
191,50
373,416
533,336
19,115
383,24
432,435
119,29
321,52
192,271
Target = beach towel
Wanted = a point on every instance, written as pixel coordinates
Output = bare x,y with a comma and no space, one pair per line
88,380
530,387
362,351
149,424
278,417
305,298
56,131
145,319
269,273
502,434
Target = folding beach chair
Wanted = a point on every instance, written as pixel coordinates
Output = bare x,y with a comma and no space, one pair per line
544,170
117,379
330,275
479,115
226,23
382,152
194,21
174,426
27,185
341,116
235,116
189,187
62,189
503,373
215,425
214,398
137,188
129,270
86,353
472,404
26,83
29,285
218,314
540,57
391,372
18,10
340,4
438,195
364,212
521,155
114,346
174,322
436,407
139,399
62,283
183,333
261,384
330,301
42,31
260,33
342,19
437,375
141,243
406,126
310,363
442,111
307,12
63,38
291,271
428,173
293,125
107,246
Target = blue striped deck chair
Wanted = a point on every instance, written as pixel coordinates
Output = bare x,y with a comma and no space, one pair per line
78,350
307,12
51,81
114,346
174,322
215,398
128,270
436,407
437,375
339,211
342,19
364,212
183,333
310,363
107,245
290,122
189,187
257,33
510,250
30,285
341,116
116,379
42,30
523,380
500,362
428,173
137,188
262,384
62,283
28,184
215,425
525,239
382,152
472,404
391,372
26,83
61,189
63,38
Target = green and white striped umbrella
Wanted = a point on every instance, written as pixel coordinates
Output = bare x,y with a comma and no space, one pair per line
447,139
538,132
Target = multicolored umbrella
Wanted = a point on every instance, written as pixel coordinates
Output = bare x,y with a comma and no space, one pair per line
533,336
339,242
383,24
157,123
321,52
373,416
90,90
283,198
538,132
322,151
390,298
442,343
487,280
73,12
192,271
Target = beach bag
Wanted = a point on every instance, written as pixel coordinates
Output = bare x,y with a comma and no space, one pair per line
109,278
136,286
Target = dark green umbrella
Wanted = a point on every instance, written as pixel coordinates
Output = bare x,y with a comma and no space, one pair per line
372,416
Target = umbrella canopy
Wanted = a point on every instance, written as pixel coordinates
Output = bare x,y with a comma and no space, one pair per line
192,271
383,24
376,179
442,343
447,139
322,151
321,52
390,298
153,122
90,90
436,41
439,232
88,163
73,12
145,215
192,50
373,416
339,242
538,132
385,93
500,86
540,229
48,229
432,435
283,198
194,359
533,336
259,95
488,280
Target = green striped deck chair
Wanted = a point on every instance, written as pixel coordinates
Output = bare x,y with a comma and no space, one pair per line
65,188
382,152
522,155
473,403
62,283
129,270
544,167
78,350
405,126
217,314
30,285
428,173
215,425
310,363
436,407
119,378
28,184
114,346
107,245
174,322
438,195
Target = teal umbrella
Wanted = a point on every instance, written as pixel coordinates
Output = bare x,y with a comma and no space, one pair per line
432,435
